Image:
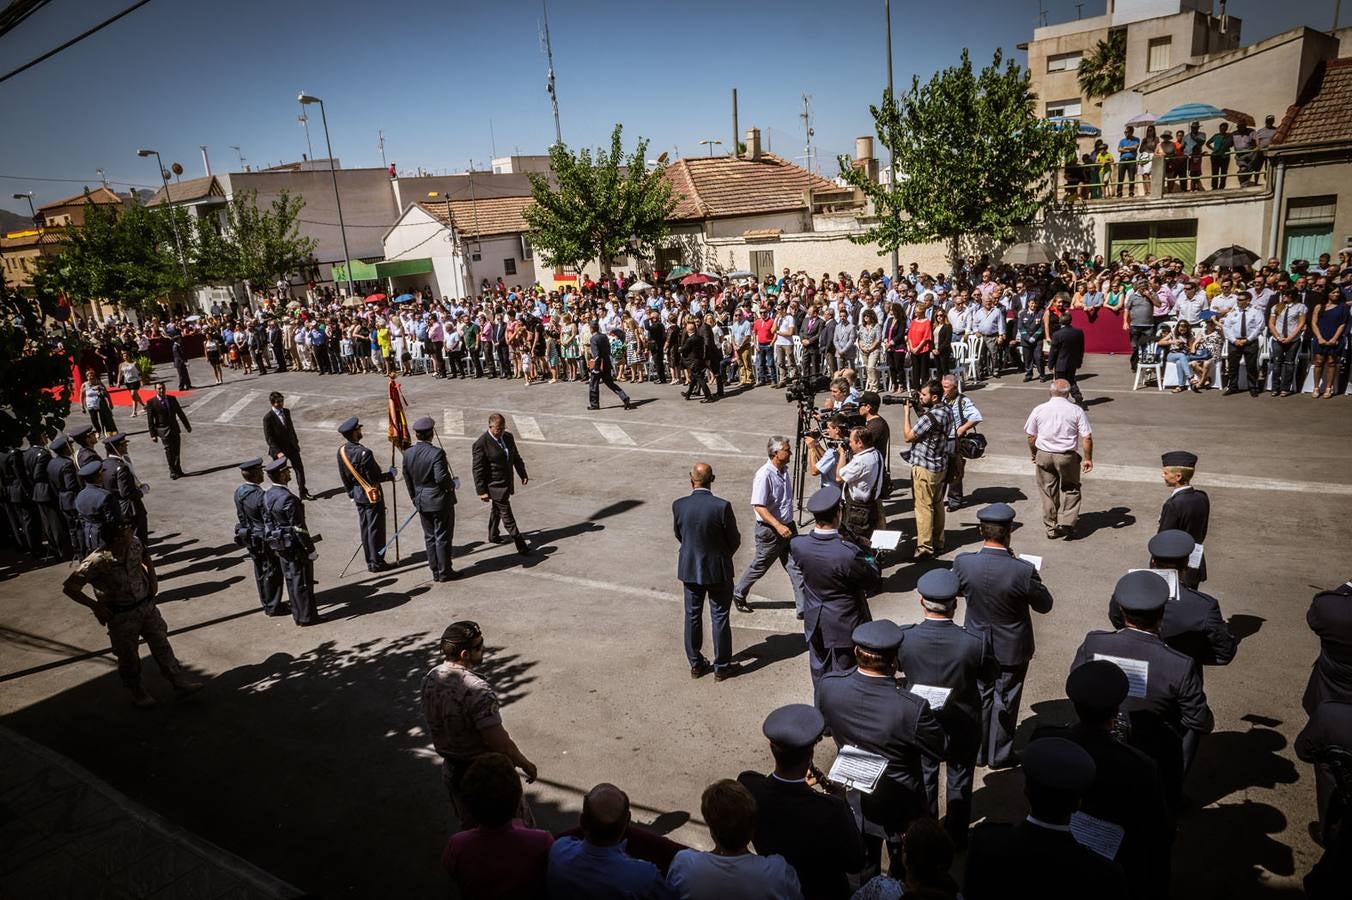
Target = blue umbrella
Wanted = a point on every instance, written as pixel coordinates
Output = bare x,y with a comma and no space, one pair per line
403,298
1190,112
1081,129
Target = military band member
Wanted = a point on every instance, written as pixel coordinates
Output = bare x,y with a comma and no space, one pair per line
431,485
251,534
945,663
361,479
1330,618
95,507
85,440
120,478
1001,589
1187,509
284,518
46,504
17,479
65,481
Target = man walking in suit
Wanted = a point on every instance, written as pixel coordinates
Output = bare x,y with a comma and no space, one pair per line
361,479
1067,355
706,529
430,483
494,458
164,413
693,356
600,372
181,365
280,432
1187,508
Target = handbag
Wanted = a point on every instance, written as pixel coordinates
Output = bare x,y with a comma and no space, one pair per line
372,491
971,445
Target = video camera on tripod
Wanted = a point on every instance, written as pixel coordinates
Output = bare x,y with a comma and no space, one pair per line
812,423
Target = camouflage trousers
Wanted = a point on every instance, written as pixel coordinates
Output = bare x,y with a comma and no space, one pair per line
125,630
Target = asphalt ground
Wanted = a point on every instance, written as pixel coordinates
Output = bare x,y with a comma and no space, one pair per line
305,754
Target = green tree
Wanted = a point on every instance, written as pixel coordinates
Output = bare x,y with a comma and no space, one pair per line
970,157
1104,72
256,245
124,255
35,371
595,206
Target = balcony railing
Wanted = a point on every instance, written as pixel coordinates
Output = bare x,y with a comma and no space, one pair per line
1169,177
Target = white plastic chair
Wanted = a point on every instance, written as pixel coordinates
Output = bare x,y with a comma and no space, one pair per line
418,356
1149,364
974,348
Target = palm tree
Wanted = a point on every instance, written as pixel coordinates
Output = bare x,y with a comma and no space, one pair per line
1105,71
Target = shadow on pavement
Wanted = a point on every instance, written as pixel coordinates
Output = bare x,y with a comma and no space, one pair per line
775,648
1115,518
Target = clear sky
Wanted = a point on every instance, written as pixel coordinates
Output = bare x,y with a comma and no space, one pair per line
433,74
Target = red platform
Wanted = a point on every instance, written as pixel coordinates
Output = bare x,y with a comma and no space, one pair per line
1104,334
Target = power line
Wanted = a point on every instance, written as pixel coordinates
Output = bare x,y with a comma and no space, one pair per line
74,180
73,41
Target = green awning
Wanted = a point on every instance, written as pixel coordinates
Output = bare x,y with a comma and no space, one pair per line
360,271
396,267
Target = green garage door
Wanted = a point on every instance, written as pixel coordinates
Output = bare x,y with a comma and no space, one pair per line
1307,242
1177,239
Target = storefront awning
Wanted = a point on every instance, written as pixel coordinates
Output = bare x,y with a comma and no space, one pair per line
360,271
397,267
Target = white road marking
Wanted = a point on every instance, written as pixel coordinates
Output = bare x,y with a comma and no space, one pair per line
713,441
237,407
1020,465
202,401
614,434
527,428
452,422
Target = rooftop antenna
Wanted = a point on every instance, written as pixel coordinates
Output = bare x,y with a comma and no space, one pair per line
1079,11
549,85
1041,15
492,141
240,154
102,177
806,116
304,120
383,163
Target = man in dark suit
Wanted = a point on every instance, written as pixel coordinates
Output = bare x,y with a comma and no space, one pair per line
251,534
164,413
657,339
121,480
865,708
1001,589
1166,699
278,344
181,365
1330,618
357,469
601,370
65,482
706,529
495,457
837,578
1187,508
812,829
289,538
431,485
280,433
1039,857
1067,354
693,351
945,663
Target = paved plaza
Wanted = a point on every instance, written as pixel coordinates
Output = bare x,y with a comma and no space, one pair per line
305,754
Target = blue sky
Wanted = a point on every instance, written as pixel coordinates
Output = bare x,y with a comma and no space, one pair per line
432,75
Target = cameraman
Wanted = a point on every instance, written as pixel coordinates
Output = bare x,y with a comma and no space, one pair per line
965,417
823,453
869,404
843,394
861,480
929,464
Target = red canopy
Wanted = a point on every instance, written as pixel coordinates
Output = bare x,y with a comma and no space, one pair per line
375,298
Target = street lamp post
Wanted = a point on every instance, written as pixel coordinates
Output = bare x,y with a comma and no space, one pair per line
33,213
173,219
891,151
306,100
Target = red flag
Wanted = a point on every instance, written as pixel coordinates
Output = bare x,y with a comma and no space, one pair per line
398,424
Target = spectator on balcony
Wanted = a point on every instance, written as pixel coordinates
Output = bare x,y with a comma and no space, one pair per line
1262,139
1175,166
1194,142
1127,150
1221,144
1146,156
1247,157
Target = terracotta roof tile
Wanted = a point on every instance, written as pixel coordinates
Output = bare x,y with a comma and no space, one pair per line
192,189
709,187
1324,110
481,218
99,195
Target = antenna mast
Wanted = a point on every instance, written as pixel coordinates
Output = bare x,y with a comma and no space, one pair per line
549,86
810,152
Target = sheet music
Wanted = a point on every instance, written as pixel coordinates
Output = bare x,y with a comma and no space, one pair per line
937,696
1035,560
857,768
1099,835
1136,670
1195,557
885,540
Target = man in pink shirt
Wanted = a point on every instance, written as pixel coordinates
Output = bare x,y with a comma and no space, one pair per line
500,858
1055,430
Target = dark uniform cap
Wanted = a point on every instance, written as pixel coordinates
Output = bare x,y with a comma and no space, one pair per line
114,439
997,513
424,424
1179,457
81,431
59,443
348,425
279,463
939,584
1172,544
879,635
1059,764
795,725
824,500
1098,684
1141,591
255,463
91,469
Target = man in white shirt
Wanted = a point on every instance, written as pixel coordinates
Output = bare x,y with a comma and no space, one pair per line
1190,303
860,480
1244,328
772,503
1054,430
1225,301
785,363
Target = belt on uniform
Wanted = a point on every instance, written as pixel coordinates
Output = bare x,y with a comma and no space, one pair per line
126,608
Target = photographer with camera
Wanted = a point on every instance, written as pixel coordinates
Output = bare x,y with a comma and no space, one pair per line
965,418
860,475
823,449
929,457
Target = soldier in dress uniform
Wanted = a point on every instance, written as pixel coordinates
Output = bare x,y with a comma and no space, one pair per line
837,577
1187,508
1126,790
1039,857
361,479
432,486
96,507
45,501
18,487
1329,729
866,708
1166,699
1330,618
10,510
945,663
65,482
251,534
85,440
120,478
284,518
1001,589
814,830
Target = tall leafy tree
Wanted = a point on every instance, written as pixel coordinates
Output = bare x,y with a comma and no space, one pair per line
125,255
35,369
257,245
1104,71
970,157
597,205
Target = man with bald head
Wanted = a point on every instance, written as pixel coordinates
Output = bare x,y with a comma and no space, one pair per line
596,866
706,529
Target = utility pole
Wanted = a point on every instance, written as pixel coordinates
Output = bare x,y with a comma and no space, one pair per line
240,154
383,163
809,131
549,86
304,120
892,99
